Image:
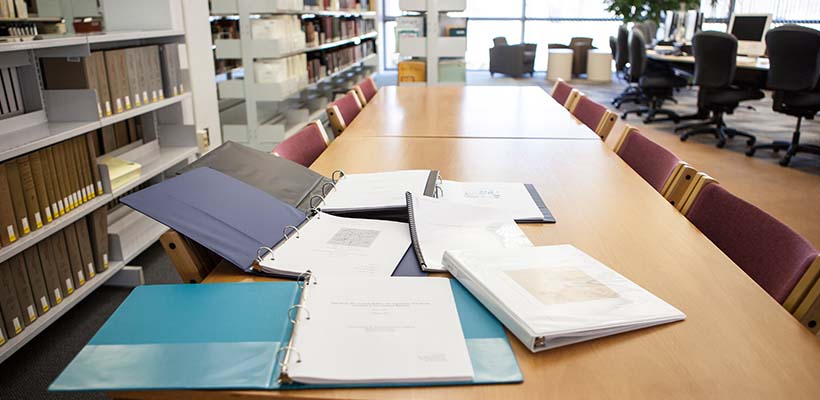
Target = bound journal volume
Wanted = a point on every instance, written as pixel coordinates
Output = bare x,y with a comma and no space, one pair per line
312,333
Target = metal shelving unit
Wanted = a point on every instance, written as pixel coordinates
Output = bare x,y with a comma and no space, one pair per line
433,47
57,115
272,112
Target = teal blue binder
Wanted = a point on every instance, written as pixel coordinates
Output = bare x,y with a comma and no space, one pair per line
226,336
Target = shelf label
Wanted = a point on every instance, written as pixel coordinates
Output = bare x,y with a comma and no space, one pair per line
145,97
12,237
2,337
105,261
108,111
137,101
181,89
176,91
90,190
32,315
99,110
55,210
38,220
18,327
127,102
119,105
47,211
161,94
99,188
81,277
61,206
26,227
44,303
91,271
58,295
69,286
84,194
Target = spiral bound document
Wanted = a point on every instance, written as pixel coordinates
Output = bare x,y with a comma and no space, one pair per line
521,200
314,333
438,225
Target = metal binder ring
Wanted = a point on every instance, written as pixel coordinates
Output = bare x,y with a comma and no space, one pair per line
439,192
313,212
286,349
305,277
316,205
293,318
285,231
439,180
332,185
267,250
333,175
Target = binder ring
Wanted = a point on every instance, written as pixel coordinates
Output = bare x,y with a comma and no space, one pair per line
285,232
305,277
333,175
439,192
312,212
303,308
267,250
439,180
332,184
321,201
288,349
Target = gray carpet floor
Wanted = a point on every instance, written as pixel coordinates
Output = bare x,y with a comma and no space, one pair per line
27,374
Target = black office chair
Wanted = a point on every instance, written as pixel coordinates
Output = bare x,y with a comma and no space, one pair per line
715,64
794,71
657,83
632,93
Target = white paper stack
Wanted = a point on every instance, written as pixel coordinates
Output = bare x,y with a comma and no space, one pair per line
377,190
556,295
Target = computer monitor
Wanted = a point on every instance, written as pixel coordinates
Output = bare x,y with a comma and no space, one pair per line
750,30
693,24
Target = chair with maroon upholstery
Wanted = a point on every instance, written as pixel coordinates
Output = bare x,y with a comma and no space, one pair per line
305,146
561,91
653,162
771,253
365,90
595,116
342,111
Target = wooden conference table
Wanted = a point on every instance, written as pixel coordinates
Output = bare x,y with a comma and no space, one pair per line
735,343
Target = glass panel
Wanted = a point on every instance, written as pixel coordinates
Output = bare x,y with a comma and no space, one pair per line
781,9
720,10
568,9
492,9
545,32
390,57
480,36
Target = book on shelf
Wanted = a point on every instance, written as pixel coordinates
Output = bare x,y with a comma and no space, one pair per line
67,280
39,174
8,222
121,172
86,250
72,244
37,280
51,276
11,100
35,219
18,199
97,223
22,286
79,73
411,71
116,70
9,305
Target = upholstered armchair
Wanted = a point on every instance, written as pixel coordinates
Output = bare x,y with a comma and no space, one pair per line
513,60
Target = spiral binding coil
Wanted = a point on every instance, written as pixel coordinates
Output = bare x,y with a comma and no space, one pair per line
305,280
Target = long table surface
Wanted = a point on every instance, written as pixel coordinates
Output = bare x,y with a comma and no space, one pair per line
467,111
736,341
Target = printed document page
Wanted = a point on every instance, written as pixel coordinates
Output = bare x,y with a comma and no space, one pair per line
328,245
391,330
442,225
510,196
377,190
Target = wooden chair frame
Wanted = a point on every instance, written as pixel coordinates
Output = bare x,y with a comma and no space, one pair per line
192,261
572,100
701,181
680,185
336,120
360,93
557,82
667,189
624,133
606,124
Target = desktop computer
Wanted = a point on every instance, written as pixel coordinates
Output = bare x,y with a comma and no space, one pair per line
750,31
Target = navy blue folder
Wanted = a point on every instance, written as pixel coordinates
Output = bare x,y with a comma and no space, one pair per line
226,336
227,216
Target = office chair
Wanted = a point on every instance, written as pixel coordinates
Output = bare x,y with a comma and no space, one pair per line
653,162
305,146
656,82
342,111
580,49
715,64
613,46
632,93
794,69
365,90
771,253
594,116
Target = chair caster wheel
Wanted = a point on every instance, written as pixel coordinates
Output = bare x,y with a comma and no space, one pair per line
683,138
750,153
721,144
623,117
775,151
640,114
785,161
751,142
